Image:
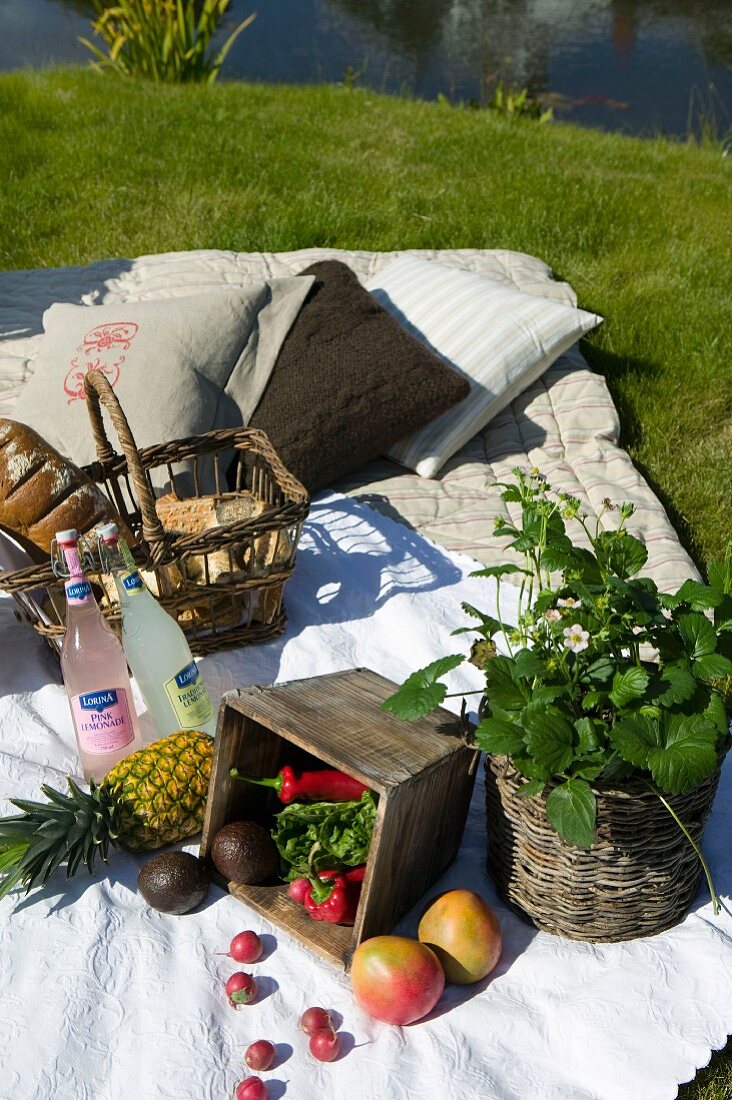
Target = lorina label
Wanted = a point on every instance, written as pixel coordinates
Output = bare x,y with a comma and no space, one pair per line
189,698
102,720
78,591
133,583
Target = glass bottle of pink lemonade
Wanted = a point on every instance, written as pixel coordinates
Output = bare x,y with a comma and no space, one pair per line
95,674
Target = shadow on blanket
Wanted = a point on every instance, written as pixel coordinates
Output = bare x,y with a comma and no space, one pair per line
351,562
32,295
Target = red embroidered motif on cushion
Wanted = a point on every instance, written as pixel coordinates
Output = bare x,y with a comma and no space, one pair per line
107,341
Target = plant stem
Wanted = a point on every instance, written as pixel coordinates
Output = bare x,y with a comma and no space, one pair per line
500,617
455,694
716,903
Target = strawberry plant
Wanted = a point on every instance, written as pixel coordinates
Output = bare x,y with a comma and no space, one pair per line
603,678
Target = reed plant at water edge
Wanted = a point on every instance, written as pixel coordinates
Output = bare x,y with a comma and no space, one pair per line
164,40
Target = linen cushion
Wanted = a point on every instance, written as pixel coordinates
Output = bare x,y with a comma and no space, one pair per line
179,366
349,382
499,338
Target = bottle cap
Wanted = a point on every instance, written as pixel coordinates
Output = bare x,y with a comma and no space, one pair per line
67,538
108,532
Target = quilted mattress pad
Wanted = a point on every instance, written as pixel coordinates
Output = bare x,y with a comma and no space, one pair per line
565,424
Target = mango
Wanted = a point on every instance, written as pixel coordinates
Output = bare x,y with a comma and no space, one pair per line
463,931
396,979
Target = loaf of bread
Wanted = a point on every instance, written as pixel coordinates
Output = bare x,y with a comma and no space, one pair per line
42,493
240,561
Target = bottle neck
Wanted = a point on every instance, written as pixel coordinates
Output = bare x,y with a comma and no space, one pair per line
112,559
73,562
79,593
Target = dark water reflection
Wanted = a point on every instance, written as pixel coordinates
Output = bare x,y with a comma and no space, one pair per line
637,65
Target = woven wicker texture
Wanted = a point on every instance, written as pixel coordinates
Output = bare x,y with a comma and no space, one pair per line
639,878
259,552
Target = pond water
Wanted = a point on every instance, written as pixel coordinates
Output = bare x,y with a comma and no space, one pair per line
643,66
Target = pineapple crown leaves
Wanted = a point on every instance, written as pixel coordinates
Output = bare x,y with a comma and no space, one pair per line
71,828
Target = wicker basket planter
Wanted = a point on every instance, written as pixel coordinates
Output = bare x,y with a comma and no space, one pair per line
639,878
234,594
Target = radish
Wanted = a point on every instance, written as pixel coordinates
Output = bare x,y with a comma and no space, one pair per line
325,1044
315,1019
244,948
241,989
259,1055
298,889
253,1088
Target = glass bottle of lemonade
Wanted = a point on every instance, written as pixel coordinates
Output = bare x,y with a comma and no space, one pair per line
95,674
156,647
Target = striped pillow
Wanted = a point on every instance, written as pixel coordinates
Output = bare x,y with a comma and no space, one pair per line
499,338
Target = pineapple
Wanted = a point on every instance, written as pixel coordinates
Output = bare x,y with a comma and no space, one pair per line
148,800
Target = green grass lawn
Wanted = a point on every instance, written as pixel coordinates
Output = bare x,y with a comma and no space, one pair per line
94,167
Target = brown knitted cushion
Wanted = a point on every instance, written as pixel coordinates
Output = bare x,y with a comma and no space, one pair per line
348,382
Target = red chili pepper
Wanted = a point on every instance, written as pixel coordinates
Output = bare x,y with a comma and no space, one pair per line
326,785
333,896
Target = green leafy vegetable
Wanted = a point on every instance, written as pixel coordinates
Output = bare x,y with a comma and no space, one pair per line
324,836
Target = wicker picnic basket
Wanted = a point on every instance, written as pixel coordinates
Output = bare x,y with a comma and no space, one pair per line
233,596
638,878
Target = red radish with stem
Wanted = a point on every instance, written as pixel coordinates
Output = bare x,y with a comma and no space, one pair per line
315,1019
259,1055
241,989
253,1088
246,947
324,1044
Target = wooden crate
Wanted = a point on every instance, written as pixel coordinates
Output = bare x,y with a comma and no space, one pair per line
421,772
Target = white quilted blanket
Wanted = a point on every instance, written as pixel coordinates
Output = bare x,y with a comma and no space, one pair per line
105,999
565,423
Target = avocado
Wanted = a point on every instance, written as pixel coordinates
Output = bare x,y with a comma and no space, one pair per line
174,882
244,852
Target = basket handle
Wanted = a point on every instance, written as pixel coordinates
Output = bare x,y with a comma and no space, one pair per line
97,390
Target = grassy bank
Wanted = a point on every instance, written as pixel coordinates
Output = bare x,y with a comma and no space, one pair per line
94,167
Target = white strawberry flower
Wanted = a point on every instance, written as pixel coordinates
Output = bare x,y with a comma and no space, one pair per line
552,615
575,638
570,601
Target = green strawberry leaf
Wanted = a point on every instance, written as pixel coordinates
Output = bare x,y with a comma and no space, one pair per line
628,685
420,693
698,634
633,739
527,664
599,671
534,786
501,738
586,770
488,625
589,736
499,571
688,756
616,770
530,768
549,739
547,693
620,552
502,688
715,713
701,597
571,809
681,684
712,667
593,699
